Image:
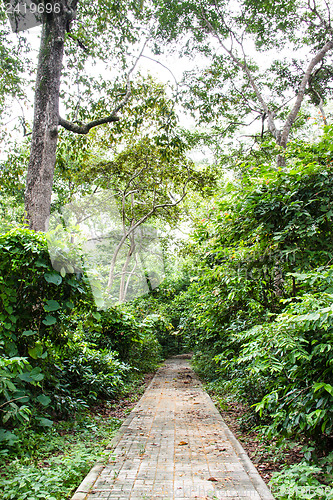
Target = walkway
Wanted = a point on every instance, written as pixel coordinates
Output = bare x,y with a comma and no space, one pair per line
174,445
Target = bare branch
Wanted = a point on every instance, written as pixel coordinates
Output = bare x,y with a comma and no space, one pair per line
164,66
112,117
11,400
300,95
323,22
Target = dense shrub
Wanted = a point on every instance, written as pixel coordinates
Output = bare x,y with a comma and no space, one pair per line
58,354
258,312
36,307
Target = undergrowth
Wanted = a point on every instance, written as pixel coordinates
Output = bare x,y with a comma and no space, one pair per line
52,464
311,474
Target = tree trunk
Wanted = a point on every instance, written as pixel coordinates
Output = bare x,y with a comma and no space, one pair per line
46,119
125,267
130,276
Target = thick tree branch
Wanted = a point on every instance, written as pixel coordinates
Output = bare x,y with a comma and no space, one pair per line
300,95
84,129
112,117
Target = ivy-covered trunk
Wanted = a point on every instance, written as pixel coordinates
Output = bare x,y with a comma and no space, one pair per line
46,118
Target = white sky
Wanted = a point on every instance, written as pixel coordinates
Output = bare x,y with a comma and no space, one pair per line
176,65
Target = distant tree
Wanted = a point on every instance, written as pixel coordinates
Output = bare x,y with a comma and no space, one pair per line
241,85
148,176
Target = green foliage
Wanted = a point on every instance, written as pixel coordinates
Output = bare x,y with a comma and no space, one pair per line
233,87
53,482
293,355
50,465
58,354
304,481
258,311
35,298
92,374
257,305
163,311
36,304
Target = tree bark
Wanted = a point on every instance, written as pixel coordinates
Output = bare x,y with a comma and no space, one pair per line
301,91
125,267
46,118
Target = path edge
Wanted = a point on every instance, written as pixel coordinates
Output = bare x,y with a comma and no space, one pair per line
254,475
88,482
252,472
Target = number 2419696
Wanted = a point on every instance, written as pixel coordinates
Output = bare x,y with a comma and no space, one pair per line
33,8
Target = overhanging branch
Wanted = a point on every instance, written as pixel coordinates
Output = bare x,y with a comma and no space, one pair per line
112,117
84,129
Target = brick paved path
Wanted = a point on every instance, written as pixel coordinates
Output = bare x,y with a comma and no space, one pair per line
174,445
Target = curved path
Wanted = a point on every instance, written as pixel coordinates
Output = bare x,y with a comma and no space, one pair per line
174,445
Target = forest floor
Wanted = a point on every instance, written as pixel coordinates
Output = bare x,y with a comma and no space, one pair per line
51,463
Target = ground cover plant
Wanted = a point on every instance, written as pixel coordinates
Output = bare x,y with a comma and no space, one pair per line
60,358
50,464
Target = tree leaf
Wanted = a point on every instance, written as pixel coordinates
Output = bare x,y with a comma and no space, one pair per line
44,422
54,278
27,333
51,305
49,320
44,400
36,351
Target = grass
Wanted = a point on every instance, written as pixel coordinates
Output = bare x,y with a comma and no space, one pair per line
50,464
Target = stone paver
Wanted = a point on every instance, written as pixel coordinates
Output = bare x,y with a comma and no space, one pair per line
174,445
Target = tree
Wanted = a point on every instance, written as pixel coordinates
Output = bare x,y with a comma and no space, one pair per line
238,88
96,28
147,178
